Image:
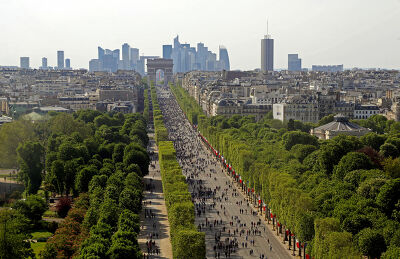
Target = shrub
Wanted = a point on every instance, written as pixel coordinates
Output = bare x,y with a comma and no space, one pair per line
63,206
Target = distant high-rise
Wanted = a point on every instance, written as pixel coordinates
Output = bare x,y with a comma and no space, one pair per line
24,62
67,63
267,54
100,53
60,59
167,51
294,62
187,58
95,65
125,56
109,61
134,58
224,58
44,63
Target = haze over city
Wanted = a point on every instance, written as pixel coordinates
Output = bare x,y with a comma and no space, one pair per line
354,33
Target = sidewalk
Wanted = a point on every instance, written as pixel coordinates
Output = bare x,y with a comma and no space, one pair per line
154,202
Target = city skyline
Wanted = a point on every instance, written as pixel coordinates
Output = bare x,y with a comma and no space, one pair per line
325,33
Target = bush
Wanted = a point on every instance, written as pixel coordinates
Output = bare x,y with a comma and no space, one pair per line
33,207
63,206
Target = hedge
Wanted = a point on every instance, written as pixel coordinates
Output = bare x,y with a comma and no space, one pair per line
161,133
187,242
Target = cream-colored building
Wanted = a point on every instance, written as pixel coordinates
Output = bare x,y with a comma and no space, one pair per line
340,126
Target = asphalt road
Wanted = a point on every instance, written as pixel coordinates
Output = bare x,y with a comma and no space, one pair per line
221,210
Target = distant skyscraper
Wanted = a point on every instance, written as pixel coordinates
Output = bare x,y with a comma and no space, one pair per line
267,54
187,58
44,63
100,54
95,65
24,62
125,56
167,51
224,58
60,59
110,60
67,63
134,58
294,62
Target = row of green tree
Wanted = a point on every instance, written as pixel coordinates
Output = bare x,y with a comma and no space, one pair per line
340,196
108,166
187,241
160,131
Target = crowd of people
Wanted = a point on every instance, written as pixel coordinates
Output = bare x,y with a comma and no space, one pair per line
232,228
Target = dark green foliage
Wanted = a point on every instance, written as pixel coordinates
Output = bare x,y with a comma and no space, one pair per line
351,161
29,158
98,181
32,208
189,244
118,154
289,139
131,199
135,154
371,243
389,150
301,151
83,178
355,223
389,195
393,252
129,221
124,246
373,140
14,229
109,212
305,227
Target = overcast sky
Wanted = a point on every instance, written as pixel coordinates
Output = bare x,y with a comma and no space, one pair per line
356,33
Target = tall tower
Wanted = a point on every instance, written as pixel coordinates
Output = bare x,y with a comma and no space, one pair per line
67,63
267,54
294,62
44,63
60,59
224,58
134,58
125,56
24,62
167,51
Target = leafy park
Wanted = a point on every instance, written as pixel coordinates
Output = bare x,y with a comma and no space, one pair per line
91,165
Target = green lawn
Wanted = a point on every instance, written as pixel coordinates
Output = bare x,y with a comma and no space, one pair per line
50,214
38,247
41,234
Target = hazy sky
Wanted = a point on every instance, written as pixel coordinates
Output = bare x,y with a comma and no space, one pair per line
356,33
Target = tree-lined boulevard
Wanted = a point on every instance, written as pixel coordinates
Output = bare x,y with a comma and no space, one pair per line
231,226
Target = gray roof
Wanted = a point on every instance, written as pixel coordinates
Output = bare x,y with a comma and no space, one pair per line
341,123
